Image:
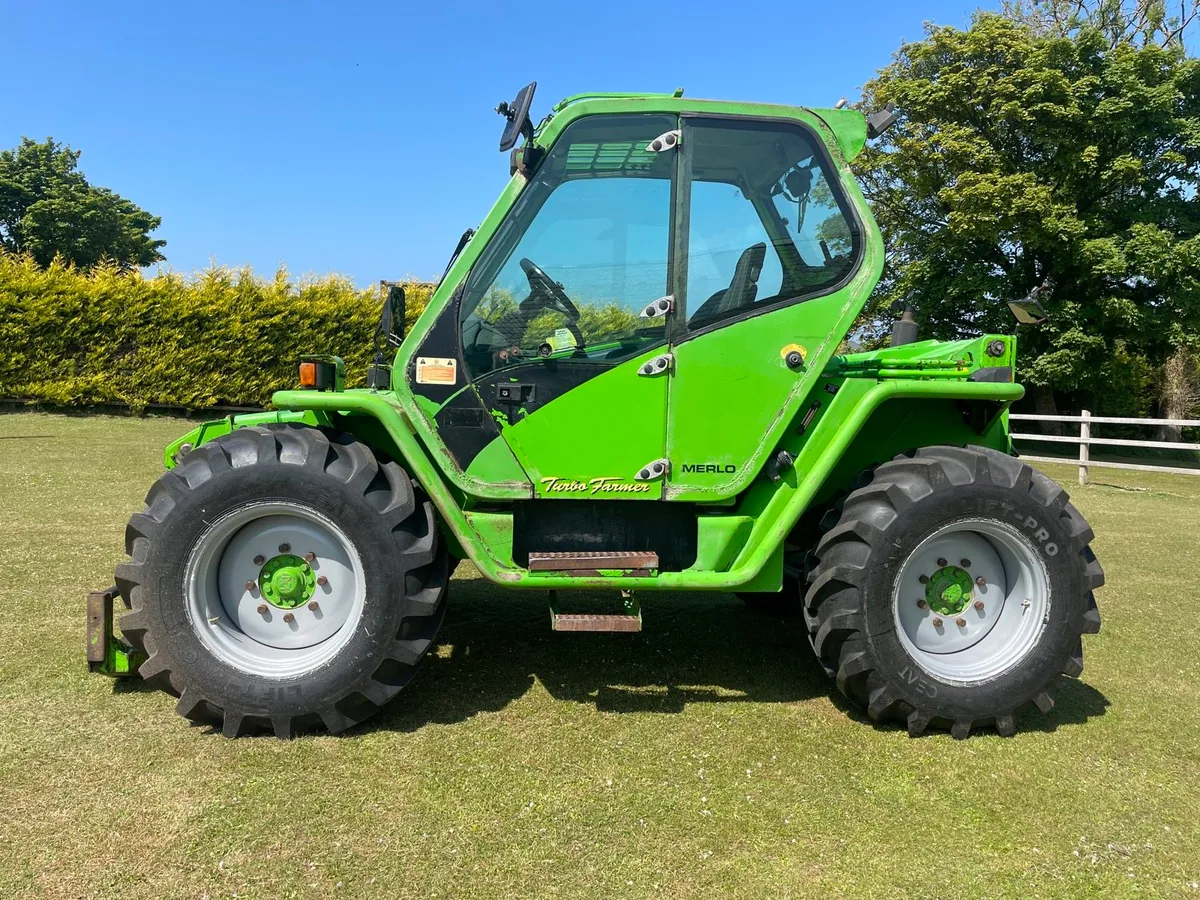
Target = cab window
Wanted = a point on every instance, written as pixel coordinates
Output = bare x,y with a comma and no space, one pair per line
767,226
583,252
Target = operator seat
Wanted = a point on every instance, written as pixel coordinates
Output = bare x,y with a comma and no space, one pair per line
743,287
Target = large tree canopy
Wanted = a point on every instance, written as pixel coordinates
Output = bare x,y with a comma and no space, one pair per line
48,209
1058,157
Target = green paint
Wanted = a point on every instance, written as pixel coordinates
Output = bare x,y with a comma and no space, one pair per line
120,659
949,590
607,428
287,581
495,464
850,129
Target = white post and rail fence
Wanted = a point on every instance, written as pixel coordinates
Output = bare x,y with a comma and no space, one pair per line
1085,441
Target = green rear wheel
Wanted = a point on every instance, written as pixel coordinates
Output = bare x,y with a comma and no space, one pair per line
952,589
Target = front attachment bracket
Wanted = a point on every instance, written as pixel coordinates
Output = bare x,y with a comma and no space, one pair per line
108,654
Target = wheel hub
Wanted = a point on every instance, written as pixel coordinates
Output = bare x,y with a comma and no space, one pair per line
949,590
275,611
287,581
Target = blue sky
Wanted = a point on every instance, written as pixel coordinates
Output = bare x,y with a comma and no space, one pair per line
359,137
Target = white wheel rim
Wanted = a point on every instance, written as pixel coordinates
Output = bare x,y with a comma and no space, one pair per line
237,624
1003,617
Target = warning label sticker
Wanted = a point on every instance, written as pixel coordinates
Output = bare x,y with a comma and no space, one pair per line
434,370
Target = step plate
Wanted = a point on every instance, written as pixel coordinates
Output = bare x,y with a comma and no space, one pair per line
583,622
590,562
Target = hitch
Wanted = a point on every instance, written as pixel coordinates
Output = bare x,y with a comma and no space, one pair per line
108,654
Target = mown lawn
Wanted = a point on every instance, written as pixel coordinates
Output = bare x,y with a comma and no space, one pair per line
706,756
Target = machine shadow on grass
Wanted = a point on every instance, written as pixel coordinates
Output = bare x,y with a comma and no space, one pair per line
694,648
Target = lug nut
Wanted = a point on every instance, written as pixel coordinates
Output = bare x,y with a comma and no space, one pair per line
289,618
981,581
978,606
310,557
937,622
322,580
313,606
965,563
250,585
259,560
924,579
284,548
941,562
262,609
921,604
960,622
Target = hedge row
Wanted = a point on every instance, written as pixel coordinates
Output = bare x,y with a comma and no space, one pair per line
220,338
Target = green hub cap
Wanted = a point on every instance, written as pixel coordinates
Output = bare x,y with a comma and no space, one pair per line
948,592
287,581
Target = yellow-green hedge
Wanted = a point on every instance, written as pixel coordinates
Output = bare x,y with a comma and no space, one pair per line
220,338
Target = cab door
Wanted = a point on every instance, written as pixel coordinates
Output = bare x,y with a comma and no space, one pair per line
772,248
551,327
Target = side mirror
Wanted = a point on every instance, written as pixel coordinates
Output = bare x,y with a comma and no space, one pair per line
391,322
879,122
517,119
388,333
1028,311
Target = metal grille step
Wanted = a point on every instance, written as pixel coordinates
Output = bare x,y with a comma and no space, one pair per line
586,622
589,562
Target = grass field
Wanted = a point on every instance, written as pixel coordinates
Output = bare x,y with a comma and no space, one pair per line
706,756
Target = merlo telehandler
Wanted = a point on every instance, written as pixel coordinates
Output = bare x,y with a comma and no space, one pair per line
637,374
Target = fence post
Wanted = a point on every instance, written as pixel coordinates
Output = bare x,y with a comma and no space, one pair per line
1085,435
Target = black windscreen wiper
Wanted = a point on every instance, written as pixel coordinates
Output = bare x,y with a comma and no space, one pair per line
462,242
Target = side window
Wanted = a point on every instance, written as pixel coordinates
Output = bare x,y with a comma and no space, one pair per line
724,229
766,227
581,254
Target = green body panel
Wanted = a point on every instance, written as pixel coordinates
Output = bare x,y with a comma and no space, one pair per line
728,406
849,127
720,537
733,394
496,464
596,437
501,477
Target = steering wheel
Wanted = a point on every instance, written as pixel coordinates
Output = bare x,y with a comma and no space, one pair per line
542,287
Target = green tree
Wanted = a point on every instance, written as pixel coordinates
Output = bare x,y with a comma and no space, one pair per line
1047,149
48,209
1121,22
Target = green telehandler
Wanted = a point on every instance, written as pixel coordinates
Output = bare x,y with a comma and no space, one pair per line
634,375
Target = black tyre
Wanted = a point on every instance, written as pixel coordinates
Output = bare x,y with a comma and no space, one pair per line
951,589
283,578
